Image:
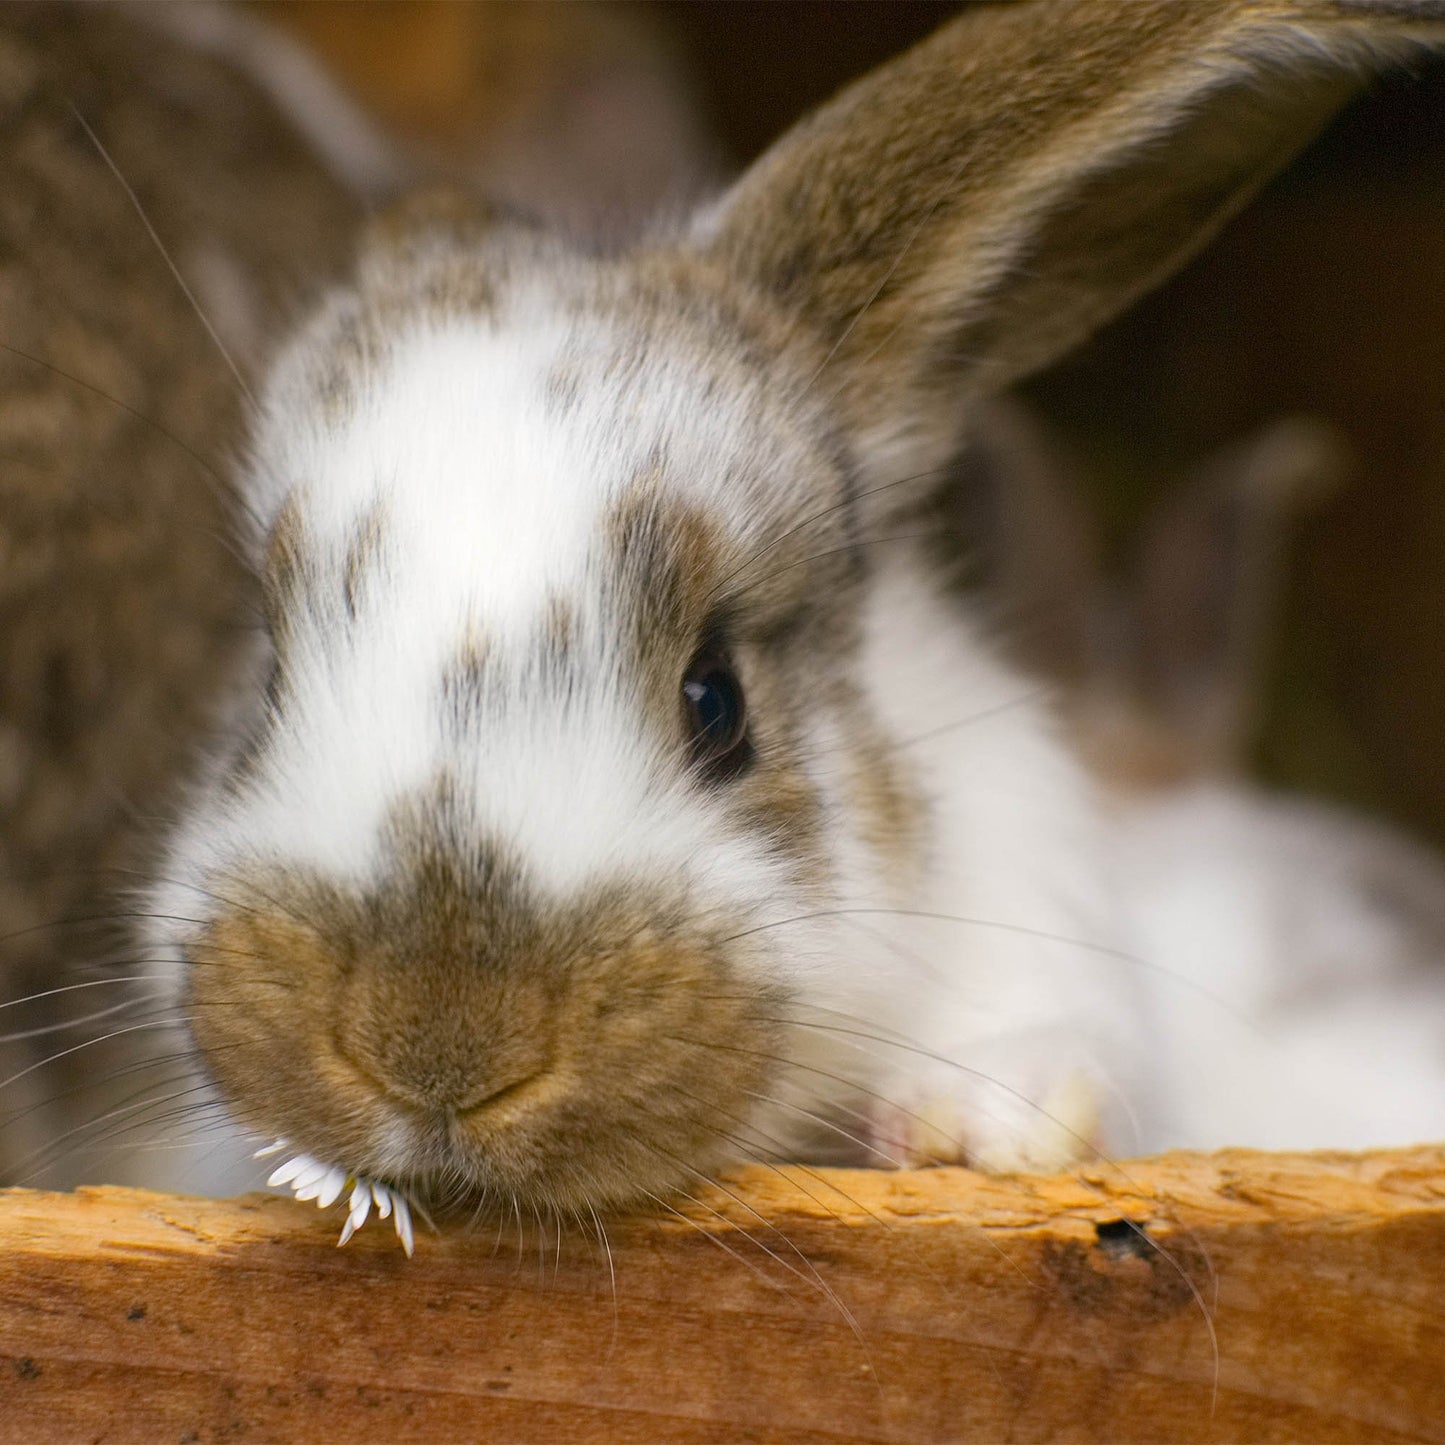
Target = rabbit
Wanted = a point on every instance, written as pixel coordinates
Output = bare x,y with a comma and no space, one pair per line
622,790
1292,952
617,788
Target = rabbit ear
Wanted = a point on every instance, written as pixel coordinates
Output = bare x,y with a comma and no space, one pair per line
1211,570
1031,537
976,207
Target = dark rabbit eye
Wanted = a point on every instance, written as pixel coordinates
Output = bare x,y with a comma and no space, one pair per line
716,716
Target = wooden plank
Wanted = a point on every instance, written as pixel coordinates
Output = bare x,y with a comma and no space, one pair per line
830,1306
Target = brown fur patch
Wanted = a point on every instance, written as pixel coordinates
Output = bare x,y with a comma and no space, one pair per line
364,557
429,256
892,813
552,1053
559,630
780,806
283,576
463,681
561,388
664,556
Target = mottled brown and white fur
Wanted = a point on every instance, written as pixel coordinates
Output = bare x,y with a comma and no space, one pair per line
469,906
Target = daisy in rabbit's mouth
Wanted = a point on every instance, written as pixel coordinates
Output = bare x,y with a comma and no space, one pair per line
309,1178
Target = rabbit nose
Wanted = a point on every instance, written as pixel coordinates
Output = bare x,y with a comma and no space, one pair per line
457,1093
447,1049
443,1101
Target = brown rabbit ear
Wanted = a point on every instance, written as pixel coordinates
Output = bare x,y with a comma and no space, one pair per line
1211,571
979,205
1031,536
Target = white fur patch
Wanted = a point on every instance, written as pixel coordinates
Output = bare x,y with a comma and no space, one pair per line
491,506
1295,1003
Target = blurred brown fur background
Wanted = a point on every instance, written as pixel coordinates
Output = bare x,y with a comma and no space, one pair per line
1326,296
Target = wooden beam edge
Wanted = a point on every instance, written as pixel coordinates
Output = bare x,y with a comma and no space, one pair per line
1236,1295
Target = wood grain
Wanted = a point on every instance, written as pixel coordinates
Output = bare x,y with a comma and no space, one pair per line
930,1306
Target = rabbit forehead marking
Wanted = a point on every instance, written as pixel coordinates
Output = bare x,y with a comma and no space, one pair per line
461,512
460,428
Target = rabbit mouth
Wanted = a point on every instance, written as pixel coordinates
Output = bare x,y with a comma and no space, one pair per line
309,1178
598,1081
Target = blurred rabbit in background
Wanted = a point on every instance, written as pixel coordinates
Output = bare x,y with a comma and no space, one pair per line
1292,952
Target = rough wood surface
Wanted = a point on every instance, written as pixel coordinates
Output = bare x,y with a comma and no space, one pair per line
1277,1297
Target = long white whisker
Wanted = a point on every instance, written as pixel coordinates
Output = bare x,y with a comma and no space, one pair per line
71,987
65,1025
611,1271
88,1044
165,255
1022,930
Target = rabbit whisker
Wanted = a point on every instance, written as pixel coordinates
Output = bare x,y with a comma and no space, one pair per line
229,494
175,270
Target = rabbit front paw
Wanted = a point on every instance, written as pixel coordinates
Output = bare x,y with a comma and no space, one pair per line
1037,1116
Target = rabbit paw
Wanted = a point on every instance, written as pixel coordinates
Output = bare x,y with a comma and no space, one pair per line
1036,1121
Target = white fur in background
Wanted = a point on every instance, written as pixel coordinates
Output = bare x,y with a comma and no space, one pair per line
1294,961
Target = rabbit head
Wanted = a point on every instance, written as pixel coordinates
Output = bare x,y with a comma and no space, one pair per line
573,738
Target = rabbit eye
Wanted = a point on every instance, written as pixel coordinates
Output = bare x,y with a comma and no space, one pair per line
716,716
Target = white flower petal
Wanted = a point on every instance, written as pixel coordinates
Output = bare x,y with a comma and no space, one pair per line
360,1203
314,1172
403,1226
310,1178
289,1170
269,1150
331,1187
